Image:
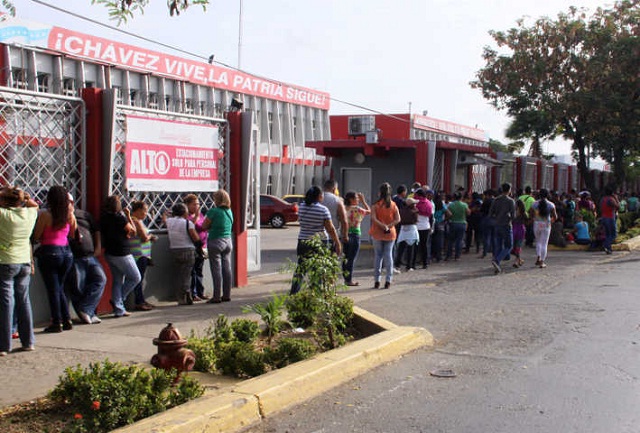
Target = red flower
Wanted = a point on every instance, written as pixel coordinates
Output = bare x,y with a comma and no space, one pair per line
95,405
77,416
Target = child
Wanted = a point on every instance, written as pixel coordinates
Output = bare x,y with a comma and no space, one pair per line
519,230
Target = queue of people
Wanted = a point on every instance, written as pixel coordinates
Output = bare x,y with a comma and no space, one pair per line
65,244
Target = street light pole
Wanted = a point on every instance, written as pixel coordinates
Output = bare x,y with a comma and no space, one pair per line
240,37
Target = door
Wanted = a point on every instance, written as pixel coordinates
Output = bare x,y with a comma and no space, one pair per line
358,180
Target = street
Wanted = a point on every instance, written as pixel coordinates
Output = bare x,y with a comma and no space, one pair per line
553,350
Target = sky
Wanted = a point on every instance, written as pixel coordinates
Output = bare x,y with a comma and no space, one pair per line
390,56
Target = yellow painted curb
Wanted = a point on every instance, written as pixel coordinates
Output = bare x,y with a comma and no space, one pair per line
249,401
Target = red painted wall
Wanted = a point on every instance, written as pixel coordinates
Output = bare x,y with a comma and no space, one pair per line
396,126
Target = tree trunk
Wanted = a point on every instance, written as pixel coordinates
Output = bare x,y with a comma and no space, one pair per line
583,169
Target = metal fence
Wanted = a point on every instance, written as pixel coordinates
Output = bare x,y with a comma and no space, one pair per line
160,201
42,142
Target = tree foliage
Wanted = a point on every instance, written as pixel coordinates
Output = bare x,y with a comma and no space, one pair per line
122,11
576,76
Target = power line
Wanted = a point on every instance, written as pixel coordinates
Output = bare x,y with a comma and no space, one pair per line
210,59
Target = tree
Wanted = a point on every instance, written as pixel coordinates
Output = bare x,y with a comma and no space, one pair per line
557,70
532,125
513,147
123,10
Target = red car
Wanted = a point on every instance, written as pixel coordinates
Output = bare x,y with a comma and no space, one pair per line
277,212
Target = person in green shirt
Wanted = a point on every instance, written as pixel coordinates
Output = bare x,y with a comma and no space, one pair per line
528,200
219,221
457,225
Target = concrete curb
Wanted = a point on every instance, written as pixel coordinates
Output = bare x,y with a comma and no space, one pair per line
248,402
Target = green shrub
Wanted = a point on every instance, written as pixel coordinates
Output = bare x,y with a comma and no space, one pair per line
342,312
245,330
110,395
288,351
205,350
302,309
240,359
222,332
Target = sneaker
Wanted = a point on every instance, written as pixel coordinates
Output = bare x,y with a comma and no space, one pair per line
15,336
496,266
410,269
396,271
27,349
67,325
543,265
84,317
3,353
53,328
95,319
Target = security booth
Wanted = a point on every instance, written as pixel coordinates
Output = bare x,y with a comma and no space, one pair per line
104,117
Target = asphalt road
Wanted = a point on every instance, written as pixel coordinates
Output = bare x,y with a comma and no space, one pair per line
533,350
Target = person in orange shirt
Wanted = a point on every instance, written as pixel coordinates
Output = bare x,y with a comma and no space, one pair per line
384,218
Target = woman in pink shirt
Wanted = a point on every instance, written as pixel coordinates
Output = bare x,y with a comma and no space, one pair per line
53,227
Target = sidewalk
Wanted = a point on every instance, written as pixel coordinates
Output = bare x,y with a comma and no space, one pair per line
29,375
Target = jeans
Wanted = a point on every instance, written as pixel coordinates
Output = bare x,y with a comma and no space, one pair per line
424,246
54,263
88,283
197,288
126,276
610,232
183,258
401,247
502,242
457,232
142,264
383,256
351,249
303,250
14,299
437,244
220,263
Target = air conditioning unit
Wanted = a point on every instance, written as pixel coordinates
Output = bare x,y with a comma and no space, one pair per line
360,125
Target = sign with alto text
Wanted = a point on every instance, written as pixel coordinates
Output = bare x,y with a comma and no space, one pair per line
170,156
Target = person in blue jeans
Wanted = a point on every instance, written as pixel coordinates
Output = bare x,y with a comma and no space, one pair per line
116,227
355,215
503,211
53,228
457,225
18,214
87,281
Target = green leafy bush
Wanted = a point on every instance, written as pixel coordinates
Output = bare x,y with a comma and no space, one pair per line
110,395
302,308
240,359
222,332
205,350
245,330
342,312
288,351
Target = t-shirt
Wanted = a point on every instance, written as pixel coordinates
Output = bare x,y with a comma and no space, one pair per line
355,215
503,210
83,246
527,200
458,211
632,204
582,230
177,230
221,222
550,208
332,202
114,236
607,208
311,218
385,215
16,225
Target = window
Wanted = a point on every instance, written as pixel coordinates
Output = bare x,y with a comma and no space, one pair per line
153,101
69,87
43,83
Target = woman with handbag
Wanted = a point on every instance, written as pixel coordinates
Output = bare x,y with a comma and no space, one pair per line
219,221
183,240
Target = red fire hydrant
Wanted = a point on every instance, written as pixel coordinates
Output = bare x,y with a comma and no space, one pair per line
171,351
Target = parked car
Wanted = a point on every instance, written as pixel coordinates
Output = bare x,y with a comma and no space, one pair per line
277,212
293,198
